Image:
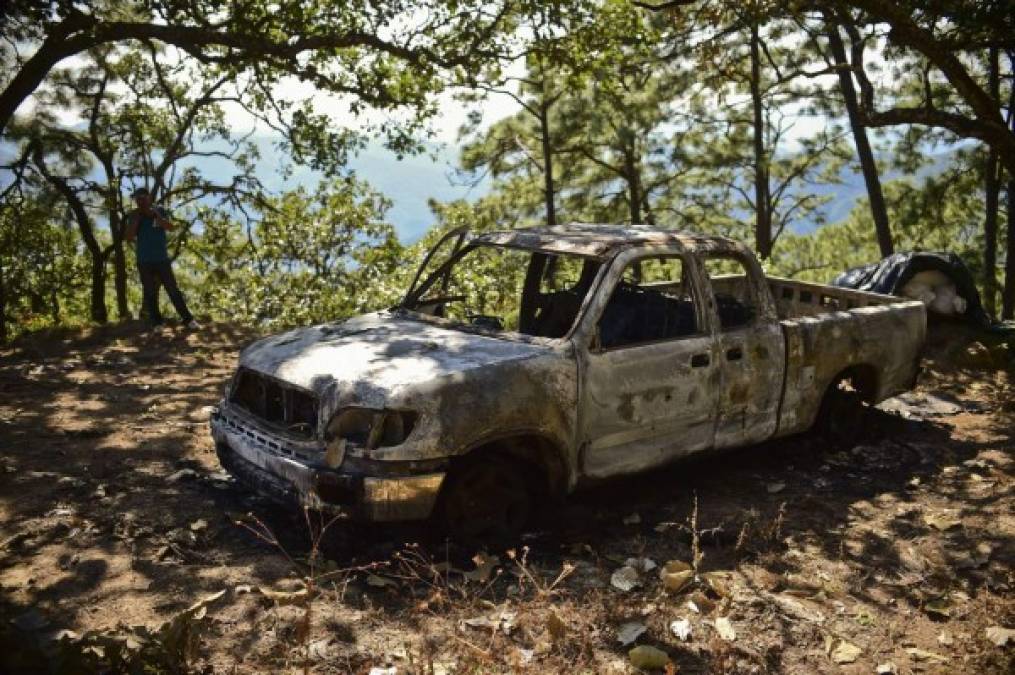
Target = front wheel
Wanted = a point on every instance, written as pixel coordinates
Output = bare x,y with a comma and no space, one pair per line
485,499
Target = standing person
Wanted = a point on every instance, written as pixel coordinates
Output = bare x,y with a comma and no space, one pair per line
148,224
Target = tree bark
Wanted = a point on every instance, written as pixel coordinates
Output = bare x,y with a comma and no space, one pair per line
650,216
116,229
868,166
120,281
635,197
632,176
3,305
992,189
549,190
762,200
112,200
86,227
1008,296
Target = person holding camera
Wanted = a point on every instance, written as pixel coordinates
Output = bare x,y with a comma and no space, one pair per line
148,224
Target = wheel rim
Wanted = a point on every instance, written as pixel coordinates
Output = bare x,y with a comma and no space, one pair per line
487,499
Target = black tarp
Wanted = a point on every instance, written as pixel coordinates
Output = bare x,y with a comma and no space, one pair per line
891,274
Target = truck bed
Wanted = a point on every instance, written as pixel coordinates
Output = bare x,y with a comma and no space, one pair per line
831,330
797,299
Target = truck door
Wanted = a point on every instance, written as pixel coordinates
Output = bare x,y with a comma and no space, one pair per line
650,371
751,350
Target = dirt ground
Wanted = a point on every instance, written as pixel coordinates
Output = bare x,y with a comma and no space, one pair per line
893,555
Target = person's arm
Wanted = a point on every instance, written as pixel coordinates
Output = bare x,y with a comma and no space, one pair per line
132,220
162,221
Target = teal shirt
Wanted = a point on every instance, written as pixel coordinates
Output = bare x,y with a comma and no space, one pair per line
151,240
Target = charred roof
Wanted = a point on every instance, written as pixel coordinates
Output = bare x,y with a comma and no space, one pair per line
601,241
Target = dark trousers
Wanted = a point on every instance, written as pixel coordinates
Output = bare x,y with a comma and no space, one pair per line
153,277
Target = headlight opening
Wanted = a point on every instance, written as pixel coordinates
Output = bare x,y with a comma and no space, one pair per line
371,428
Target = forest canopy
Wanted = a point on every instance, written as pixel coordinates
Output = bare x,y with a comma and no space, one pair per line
739,118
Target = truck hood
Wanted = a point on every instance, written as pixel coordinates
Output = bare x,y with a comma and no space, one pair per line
376,354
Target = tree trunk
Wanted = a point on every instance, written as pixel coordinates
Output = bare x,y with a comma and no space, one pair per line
120,281
113,204
3,306
650,216
119,263
762,200
86,228
98,290
1008,297
633,179
863,148
635,197
54,305
992,189
549,191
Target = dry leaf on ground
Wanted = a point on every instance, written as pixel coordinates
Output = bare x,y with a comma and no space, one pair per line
648,658
1000,636
724,627
625,579
845,652
629,632
682,629
924,655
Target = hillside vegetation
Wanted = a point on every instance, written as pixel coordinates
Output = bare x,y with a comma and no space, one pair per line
750,120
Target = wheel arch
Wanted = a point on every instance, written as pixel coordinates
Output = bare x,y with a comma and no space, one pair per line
863,377
543,459
863,383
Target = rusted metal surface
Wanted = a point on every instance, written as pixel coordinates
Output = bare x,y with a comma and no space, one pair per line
404,498
604,240
588,411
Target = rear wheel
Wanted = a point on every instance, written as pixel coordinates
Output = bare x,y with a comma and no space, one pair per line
842,414
486,499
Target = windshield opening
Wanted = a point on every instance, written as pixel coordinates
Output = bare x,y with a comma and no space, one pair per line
508,290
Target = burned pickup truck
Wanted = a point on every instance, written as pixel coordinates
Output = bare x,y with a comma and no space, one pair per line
531,362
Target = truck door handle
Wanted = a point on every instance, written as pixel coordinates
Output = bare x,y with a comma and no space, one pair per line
734,354
699,360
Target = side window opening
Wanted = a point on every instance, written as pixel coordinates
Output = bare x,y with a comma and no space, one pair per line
652,301
734,295
564,281
561,274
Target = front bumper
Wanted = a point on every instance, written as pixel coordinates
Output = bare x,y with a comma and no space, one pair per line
256,459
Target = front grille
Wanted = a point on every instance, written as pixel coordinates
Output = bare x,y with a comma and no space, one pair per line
292,409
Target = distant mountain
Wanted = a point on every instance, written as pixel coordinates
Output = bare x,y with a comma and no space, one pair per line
844,196
412,181
851,189
408,182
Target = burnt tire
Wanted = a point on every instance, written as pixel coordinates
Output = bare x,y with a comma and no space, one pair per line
486,499
842,415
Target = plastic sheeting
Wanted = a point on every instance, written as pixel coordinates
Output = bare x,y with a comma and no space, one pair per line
891,275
